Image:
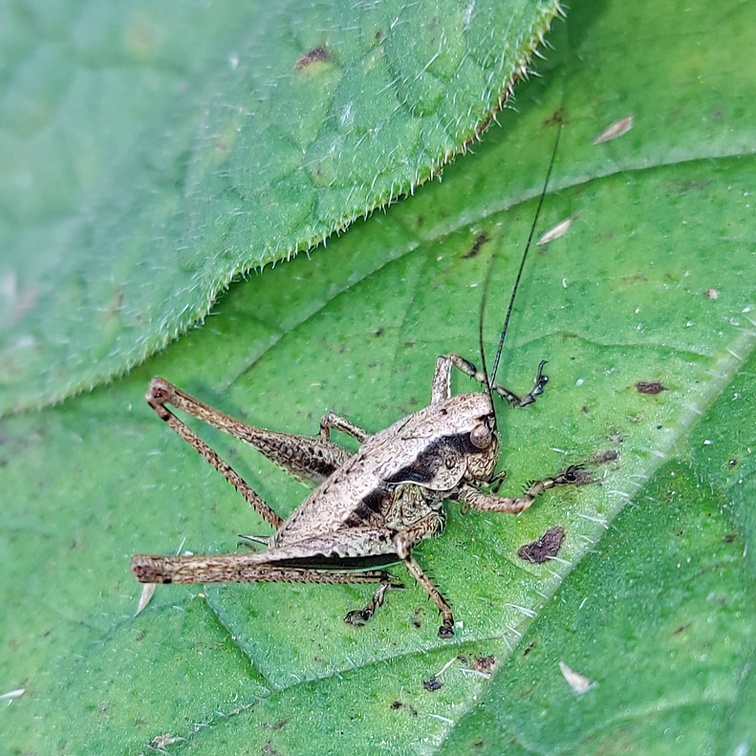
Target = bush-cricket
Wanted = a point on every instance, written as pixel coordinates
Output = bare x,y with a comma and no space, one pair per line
370,507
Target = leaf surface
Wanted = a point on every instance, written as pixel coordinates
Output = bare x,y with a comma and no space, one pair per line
152,155
651,595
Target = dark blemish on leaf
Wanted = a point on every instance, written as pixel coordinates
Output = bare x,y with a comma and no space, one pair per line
478,663
546,547
529,648
417,618
396,705
681,629
691,186
278,725
585,409
605,456
432,684
635,278
581,476
650,387
556,117
480,240
732,462
316,55
729,538
378,333
484,663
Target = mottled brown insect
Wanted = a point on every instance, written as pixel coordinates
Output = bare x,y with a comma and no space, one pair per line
370,507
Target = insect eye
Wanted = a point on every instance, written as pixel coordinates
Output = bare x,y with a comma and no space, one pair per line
480,436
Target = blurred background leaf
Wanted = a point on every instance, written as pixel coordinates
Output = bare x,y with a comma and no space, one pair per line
152,154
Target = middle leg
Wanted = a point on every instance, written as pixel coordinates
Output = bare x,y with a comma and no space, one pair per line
441,388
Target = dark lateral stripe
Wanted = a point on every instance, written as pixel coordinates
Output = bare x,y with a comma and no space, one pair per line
337,564
427,463
368,506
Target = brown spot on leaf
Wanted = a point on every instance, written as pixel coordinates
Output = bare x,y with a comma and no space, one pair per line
478,663
316,55
634,278
277,725
432,684
480,240
650,387
484,663
601,458
546,547
396,705
556,117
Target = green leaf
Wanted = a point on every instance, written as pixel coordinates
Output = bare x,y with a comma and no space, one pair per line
651,596
152,154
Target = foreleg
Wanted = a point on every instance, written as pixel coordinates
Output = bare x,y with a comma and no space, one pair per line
485,502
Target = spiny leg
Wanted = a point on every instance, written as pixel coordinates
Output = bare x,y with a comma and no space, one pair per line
229,568
237,568
446,630
161,393
441,388
427,527
485,502
312,459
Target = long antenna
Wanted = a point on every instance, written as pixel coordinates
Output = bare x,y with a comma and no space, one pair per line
516,286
